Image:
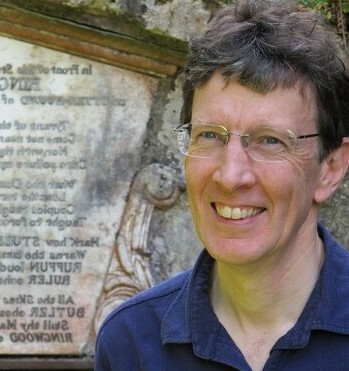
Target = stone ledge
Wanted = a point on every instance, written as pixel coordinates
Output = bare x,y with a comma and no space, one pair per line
149,55
36,363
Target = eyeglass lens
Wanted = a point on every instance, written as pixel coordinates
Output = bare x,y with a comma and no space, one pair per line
209,140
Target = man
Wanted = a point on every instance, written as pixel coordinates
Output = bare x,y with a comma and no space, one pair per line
264,131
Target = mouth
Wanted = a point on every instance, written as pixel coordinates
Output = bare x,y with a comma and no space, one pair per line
237,213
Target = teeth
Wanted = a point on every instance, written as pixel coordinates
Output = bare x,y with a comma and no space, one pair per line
236,212
225,212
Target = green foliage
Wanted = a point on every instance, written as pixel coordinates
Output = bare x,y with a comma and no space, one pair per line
315,4
336,11
345,6
326,6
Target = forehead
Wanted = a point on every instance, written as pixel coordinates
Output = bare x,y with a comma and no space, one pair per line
234,105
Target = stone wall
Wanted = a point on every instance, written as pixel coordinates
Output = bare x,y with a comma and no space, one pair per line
90,94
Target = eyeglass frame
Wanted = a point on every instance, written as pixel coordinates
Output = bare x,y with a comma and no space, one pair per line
243,137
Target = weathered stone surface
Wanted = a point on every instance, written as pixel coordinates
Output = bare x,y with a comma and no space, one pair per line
178,18
71,133
334,213
112,156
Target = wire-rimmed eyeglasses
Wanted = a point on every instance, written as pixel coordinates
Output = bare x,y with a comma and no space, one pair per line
261,143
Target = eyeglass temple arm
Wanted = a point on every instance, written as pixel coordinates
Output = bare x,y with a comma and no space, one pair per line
181,127
307,136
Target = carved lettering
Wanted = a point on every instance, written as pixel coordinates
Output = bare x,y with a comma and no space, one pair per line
64,126
20,83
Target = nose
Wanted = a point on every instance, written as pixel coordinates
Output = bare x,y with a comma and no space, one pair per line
243,138
235,169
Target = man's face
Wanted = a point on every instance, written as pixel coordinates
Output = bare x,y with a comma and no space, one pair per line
244,210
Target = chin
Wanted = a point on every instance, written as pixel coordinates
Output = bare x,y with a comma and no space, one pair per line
235,252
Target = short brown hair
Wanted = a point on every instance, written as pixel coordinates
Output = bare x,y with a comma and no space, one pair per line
265,44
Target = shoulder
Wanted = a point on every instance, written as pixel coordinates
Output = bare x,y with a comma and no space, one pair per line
337,253
134,327
152,303
332,314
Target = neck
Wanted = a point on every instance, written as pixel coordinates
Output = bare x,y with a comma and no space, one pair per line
266,296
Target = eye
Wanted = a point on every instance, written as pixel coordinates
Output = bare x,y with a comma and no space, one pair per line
270,141
270,138
206,133
209,135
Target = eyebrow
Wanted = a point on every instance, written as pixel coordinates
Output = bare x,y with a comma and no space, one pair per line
251,128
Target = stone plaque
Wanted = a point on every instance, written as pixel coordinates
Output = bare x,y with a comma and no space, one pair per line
71,131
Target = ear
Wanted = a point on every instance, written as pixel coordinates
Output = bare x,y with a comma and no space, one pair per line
333,170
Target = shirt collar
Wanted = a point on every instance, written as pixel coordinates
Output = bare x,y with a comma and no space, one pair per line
191,319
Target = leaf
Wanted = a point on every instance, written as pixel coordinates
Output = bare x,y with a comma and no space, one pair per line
315,4
345,6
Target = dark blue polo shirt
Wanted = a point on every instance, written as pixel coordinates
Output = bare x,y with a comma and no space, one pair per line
172,326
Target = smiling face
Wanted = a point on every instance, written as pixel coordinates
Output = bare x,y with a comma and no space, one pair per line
245,210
